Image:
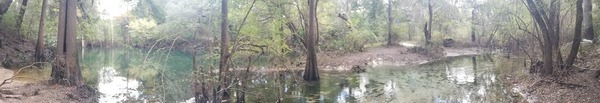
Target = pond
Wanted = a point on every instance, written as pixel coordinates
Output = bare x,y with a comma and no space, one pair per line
131,76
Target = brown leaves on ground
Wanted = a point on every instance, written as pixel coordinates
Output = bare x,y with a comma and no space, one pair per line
46,93
567,86
576,85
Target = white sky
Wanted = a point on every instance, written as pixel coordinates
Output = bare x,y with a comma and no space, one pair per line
114,8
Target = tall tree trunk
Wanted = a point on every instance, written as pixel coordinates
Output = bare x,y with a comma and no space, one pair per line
311,72
555,23
65,70
588,20
389,26
39,48
21,14
428,33
223,69
538,14
318,33
473,24
4,6
577,38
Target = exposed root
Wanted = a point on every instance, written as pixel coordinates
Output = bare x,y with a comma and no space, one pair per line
11,79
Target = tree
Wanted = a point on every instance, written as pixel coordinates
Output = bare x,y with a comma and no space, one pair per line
389,26
65,70
311,72
39,48
577,38
4,6
150,8
196,86
21,14
588,20
429,24
223,69
548,25
473,22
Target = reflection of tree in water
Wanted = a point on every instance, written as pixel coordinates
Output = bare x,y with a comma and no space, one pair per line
160,81
430,82
459,79
483,86
166,80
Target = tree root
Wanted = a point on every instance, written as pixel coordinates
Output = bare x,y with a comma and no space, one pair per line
571,85
11,79
538,83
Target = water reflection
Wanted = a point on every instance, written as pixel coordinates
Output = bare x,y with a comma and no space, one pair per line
115,88
123,75
458,79
127,75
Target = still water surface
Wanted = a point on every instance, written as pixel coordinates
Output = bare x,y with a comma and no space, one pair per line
130,76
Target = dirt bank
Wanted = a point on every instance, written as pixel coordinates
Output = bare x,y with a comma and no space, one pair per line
384,55
41,92
575,85
44,93
17,50
570,86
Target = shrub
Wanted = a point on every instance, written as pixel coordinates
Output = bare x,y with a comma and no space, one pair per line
433,50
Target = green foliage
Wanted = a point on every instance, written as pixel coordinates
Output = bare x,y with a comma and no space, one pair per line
149,8
143,29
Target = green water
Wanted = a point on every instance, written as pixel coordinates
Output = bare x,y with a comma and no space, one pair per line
120,76
128,75
464,79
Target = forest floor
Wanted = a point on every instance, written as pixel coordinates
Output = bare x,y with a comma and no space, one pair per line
15,52
577,85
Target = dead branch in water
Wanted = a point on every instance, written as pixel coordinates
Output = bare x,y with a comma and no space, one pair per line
11,79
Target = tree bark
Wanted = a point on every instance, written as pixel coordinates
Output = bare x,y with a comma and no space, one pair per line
428,33
539,16
4,8
311,72
223,69
555,23
318,35
21,14
39,48
473,24
588,20
577,38
65,70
